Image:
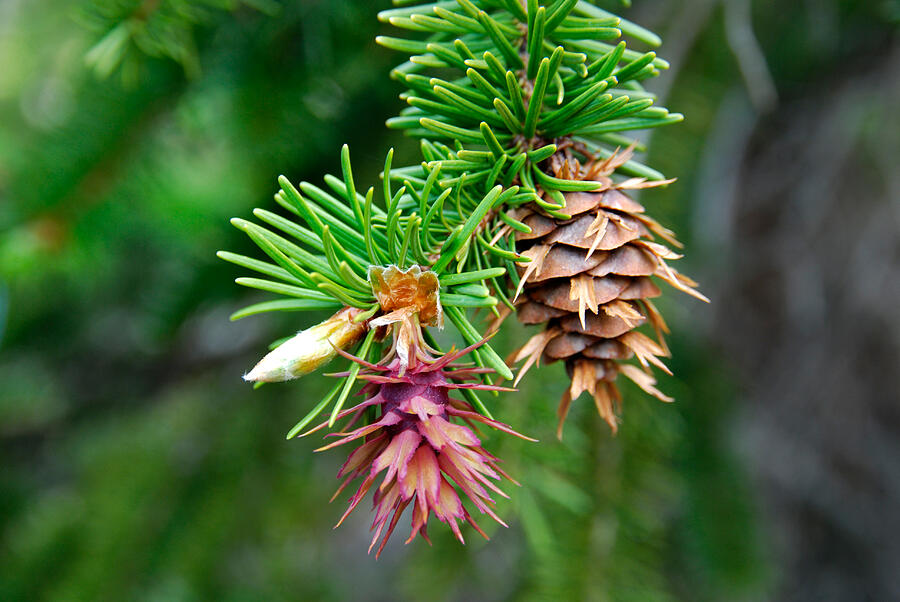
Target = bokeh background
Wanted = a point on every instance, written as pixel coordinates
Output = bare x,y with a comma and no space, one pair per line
136,465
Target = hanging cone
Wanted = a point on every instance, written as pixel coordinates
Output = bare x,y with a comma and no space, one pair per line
590,280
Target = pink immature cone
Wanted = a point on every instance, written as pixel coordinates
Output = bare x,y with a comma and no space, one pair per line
420,448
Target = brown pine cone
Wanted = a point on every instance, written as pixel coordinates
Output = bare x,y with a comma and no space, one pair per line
590,280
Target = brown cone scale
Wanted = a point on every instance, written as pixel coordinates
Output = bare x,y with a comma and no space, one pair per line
590,280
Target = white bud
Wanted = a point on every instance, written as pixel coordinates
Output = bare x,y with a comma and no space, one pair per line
308,349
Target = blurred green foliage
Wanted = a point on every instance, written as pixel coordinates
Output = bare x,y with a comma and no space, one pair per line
136,463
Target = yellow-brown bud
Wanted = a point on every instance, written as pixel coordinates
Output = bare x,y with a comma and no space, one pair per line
414,291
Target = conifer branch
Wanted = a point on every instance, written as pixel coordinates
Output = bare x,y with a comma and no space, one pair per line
518,204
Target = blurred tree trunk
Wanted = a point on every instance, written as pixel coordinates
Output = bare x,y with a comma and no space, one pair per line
808,313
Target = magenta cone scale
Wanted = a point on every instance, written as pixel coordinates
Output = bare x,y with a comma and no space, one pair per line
428,458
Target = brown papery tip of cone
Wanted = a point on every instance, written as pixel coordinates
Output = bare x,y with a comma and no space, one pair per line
414,289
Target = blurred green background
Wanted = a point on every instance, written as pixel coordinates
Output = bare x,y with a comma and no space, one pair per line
136,465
